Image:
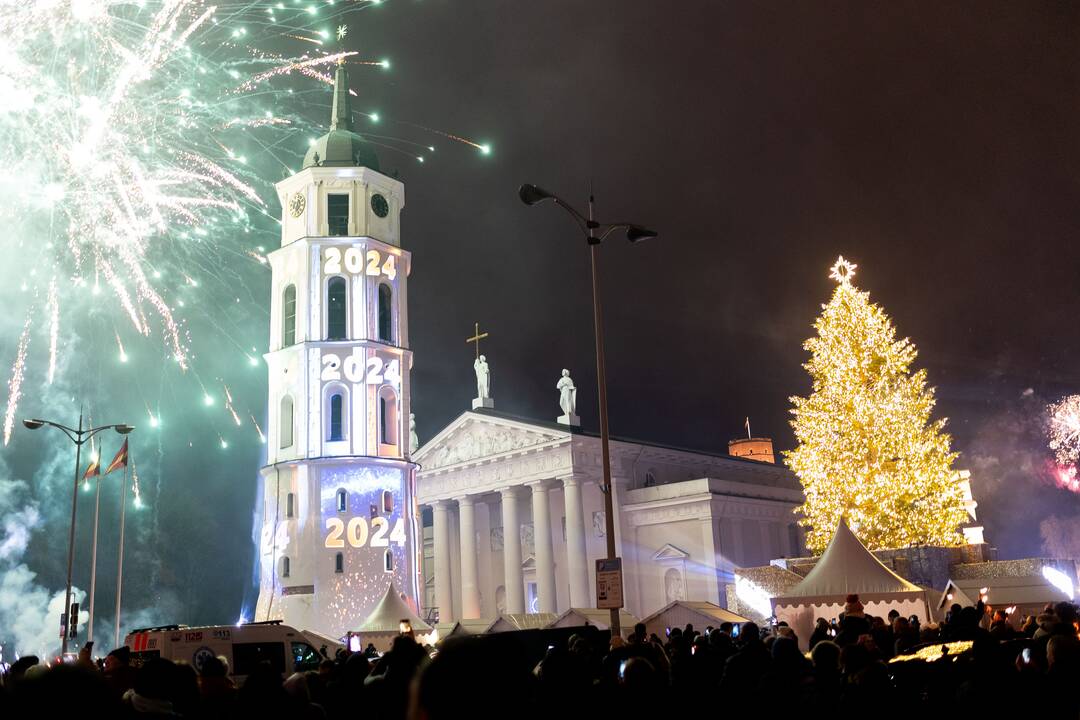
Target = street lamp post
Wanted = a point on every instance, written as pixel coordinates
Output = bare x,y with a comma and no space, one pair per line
79,436
595,233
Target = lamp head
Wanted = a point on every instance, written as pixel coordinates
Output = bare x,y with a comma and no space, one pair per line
531,194
637,233
33,424
124,429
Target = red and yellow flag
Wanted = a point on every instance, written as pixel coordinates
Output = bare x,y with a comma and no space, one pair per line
93,471
121,459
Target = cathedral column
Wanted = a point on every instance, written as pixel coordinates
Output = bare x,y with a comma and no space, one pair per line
512,577
576,557
470,586
545,560
710,543
443,595
738,549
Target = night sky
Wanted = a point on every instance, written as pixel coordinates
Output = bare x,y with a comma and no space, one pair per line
936,147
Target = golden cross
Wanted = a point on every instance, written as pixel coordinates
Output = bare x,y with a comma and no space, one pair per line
476,338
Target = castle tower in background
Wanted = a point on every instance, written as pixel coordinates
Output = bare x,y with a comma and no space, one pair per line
752,448
339,516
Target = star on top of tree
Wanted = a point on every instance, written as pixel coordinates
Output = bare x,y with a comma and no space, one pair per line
342,31
842,271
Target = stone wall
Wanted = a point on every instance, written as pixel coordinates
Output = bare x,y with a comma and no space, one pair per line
925,565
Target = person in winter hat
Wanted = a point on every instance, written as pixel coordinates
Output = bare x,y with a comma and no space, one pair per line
852,606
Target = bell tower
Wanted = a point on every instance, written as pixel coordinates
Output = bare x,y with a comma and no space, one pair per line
339,517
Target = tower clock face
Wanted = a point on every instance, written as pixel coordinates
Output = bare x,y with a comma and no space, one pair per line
297,203
379,205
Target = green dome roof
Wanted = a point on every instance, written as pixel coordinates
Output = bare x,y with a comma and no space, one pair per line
341,147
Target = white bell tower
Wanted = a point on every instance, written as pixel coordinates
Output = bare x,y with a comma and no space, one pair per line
339,515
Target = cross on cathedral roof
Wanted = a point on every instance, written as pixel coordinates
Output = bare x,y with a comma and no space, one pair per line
476,338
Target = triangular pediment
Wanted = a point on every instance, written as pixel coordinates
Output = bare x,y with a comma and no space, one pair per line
474,437
670,552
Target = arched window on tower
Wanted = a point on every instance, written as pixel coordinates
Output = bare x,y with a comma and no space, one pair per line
336,309
285,567
289,505
388,422
388,561
342,501
288,316
339,563
386,315
285,422
337,418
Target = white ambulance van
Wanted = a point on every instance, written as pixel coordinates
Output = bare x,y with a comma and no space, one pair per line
245,646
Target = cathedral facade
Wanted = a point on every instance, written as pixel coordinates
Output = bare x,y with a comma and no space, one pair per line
514,519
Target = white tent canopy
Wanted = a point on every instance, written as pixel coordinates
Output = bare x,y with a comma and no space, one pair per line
847,567
390,611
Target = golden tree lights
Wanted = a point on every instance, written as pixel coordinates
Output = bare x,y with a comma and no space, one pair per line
867,446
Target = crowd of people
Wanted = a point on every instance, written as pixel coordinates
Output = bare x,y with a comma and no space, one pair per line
857,666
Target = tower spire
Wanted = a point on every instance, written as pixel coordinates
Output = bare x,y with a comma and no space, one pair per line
341,118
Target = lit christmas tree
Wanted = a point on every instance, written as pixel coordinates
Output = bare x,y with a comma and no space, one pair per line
868,449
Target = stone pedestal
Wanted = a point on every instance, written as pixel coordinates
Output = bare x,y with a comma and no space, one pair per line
487,402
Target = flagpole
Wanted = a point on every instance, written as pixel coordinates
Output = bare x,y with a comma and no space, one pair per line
120,562
93,562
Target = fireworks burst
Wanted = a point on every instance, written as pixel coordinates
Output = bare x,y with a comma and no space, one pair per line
1064,429
128,134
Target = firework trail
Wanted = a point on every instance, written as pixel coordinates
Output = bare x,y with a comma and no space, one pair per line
54,330
258,429
482,147
229,405
15,383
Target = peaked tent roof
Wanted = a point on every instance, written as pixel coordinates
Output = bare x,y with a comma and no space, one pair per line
575,617
846,567
508,622
707,611
1002,591
390,611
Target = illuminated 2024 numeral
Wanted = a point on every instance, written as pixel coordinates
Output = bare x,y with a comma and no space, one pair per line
373,371
358,533
356,262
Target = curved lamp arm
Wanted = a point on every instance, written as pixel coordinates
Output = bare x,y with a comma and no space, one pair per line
533,195
76,436
594,231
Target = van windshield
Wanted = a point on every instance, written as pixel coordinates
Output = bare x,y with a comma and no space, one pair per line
304,657
247,656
